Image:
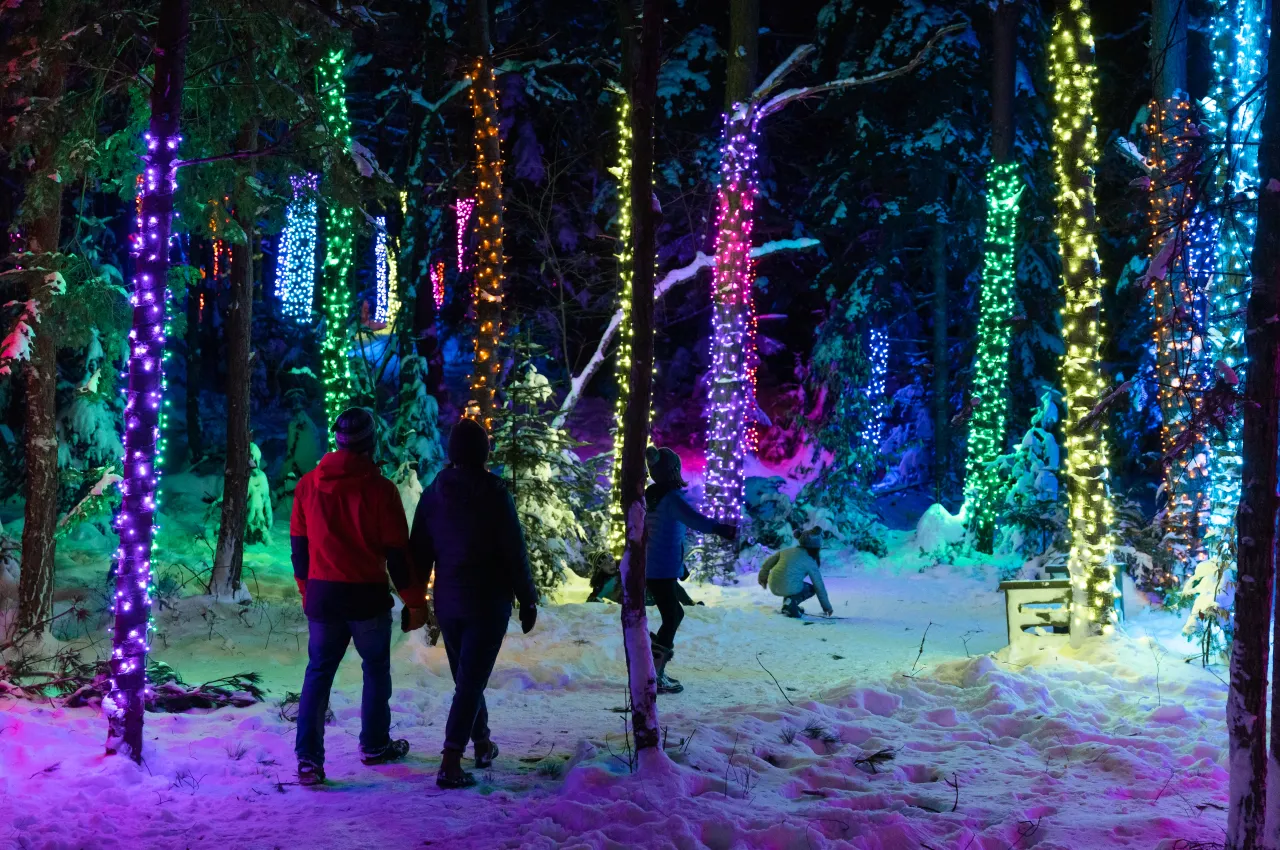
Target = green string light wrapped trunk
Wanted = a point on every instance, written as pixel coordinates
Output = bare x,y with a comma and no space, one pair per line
1073,74
991,361
335,366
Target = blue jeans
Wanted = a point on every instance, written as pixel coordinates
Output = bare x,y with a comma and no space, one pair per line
472,644
326,645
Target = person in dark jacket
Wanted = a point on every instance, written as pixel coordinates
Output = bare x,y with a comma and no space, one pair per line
466,531
668,516
348,531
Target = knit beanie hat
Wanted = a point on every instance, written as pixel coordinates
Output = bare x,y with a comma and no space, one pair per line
355,430
664,466
810,539
468,444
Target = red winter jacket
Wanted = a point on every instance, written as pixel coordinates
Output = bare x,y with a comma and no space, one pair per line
348,531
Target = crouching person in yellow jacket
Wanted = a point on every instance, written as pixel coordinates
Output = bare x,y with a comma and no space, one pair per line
784,573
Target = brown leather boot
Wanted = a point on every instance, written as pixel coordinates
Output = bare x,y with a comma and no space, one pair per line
451,774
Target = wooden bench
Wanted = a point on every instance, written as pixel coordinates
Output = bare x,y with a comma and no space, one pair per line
1037,612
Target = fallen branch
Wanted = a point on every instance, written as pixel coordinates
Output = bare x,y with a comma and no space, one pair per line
775,680
668,282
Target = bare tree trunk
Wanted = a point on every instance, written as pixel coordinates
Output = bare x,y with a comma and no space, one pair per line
44,214
228,562
1247,753
641,674
195,369
135,521
941,398
486,369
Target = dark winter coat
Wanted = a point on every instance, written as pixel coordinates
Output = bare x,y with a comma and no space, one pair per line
348,532
466,532
669,515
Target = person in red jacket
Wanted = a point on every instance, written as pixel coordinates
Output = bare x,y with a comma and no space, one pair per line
348,532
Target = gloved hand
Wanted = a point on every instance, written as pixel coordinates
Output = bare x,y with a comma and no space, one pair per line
414,618
528,616
827,612
726,530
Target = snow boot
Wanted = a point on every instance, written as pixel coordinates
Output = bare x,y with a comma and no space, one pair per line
486,752
451,774
393,751
661,656
790,608
310,773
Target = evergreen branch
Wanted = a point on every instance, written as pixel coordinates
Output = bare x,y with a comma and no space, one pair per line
792,95
250,153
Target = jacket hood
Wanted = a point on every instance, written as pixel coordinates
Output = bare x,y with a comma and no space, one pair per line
341,467
654,492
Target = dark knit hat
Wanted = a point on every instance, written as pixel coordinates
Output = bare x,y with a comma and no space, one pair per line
664,466
468,444
810,539
355,430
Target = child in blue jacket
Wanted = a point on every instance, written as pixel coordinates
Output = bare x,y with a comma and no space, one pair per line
668,516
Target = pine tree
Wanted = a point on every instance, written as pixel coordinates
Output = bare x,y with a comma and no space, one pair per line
557,496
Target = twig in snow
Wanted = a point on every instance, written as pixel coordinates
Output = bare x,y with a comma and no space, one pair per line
844,827
879,757
915,665
954,782
775,680
1026,829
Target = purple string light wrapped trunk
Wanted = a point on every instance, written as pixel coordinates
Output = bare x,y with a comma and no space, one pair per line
136,520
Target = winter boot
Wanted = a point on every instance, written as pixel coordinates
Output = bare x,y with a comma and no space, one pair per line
791,608
662,655
486,752
451,774
393,751
310,773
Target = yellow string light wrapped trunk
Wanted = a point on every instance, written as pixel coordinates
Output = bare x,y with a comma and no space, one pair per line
1075,151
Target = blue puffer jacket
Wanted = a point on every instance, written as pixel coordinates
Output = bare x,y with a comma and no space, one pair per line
668,517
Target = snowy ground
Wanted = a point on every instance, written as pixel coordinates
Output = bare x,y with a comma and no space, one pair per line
1120,746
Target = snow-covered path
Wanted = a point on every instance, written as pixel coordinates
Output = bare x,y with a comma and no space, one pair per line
1073,753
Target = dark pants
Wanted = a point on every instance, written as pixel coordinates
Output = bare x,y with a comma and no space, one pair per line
326,645
797,599
472,644
666,594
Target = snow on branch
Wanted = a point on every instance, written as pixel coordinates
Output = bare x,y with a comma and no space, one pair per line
664,285
16,346
791,95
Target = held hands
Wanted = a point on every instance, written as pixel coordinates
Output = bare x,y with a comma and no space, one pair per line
528,616
727,530
414,618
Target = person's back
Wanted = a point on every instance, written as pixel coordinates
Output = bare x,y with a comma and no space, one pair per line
465,525
785,572
466,532
347,512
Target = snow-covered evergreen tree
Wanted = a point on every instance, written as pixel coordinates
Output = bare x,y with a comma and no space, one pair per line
558,497
1031,514
258,518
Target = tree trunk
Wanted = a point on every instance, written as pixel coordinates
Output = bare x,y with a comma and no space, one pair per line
1256,519
1074,76
43,213
1179,363
228,559
731,395
641,674
135,521
941,398
339,226
195,369
486,369
988,426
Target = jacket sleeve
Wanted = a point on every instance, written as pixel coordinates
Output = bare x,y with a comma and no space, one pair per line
815,575
515,555
422,548
688,516
765,568
299,546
